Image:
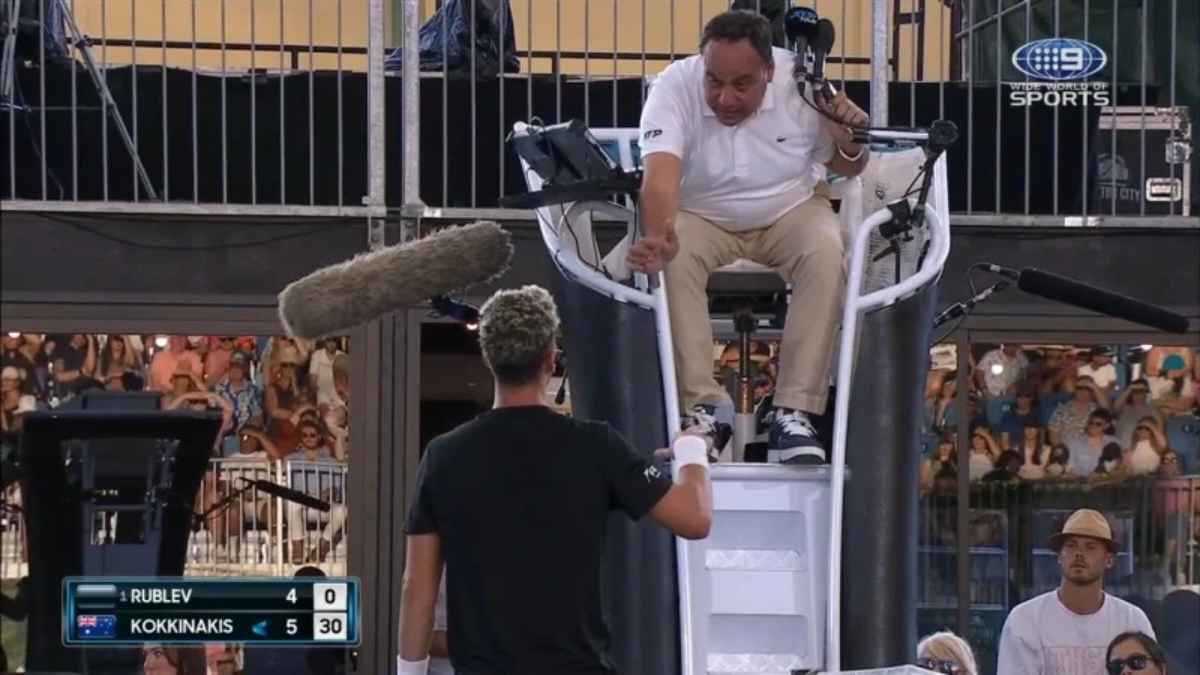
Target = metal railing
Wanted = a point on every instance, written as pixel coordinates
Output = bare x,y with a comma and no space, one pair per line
256,535
272,107
1008,560
278,106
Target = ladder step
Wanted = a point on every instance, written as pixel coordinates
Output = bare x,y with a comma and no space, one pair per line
763,664
757,560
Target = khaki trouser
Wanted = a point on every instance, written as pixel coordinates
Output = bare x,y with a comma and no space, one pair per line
806,248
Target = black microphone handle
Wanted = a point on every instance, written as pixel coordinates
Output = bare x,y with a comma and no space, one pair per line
799,69
289,494
1071,292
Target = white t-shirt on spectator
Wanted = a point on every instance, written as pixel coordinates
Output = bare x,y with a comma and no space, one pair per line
1104,376
980,464
1042,637
321,365
743,177
997,384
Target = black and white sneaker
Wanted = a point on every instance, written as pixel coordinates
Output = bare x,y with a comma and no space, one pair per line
704,420
793,439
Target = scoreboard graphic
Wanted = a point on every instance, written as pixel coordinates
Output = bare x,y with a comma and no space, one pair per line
132,611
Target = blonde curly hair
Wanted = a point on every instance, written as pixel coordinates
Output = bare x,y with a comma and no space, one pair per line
946,646
516,329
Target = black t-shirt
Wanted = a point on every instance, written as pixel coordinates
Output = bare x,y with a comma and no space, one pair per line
520,498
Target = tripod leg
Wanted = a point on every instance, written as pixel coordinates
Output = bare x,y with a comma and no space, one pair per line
107,99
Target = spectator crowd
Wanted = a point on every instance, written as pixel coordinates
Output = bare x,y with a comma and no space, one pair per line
1054,412
276,395
279,399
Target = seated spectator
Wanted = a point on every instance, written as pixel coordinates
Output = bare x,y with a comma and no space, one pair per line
183,382
285,398
1066,630
946,652
984,453
1099,367
74,360
1071,417
945,455
242,394
1135,652
1014,421
116,359
1008,468
168,362
1132,406
1059,465
170,660
1048,373
1148,447
1169,373
999,371
1111,465
216,359
13,356
939,409
319,483
945,481
1086,448
15,403
337,424
320,371
1033,451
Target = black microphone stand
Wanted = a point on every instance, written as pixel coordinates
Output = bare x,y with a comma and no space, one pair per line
198,519
934,141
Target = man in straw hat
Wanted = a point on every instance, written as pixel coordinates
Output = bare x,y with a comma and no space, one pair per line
1067,630
515,503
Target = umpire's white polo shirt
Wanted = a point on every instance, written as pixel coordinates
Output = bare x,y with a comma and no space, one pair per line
746,176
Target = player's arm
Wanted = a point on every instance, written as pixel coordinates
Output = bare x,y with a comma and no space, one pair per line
686,509
418,597
638,486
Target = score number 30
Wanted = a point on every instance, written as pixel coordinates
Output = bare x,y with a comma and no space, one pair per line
329,615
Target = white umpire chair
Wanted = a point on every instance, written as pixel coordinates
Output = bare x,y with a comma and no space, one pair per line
762,593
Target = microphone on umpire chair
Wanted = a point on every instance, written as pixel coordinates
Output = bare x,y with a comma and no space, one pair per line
821,48
1078,294
336,298
962,308
800,27
287,494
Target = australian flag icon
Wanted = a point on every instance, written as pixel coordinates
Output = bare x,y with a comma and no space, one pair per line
96,626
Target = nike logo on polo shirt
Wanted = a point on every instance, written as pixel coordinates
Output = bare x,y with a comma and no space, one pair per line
781,139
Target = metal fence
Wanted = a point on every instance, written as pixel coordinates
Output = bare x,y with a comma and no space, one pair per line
984,560
182,106
257,535
279,106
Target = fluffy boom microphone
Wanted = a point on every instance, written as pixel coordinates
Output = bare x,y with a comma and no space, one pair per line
350,293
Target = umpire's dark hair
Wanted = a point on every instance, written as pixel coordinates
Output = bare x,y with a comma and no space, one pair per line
740,24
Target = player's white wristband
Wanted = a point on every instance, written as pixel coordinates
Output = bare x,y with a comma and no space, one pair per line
411,667
690,450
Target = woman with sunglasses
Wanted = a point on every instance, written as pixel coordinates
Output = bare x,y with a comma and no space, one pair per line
1131,406
1135,652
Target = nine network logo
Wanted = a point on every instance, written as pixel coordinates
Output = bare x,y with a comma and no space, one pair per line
1063,66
